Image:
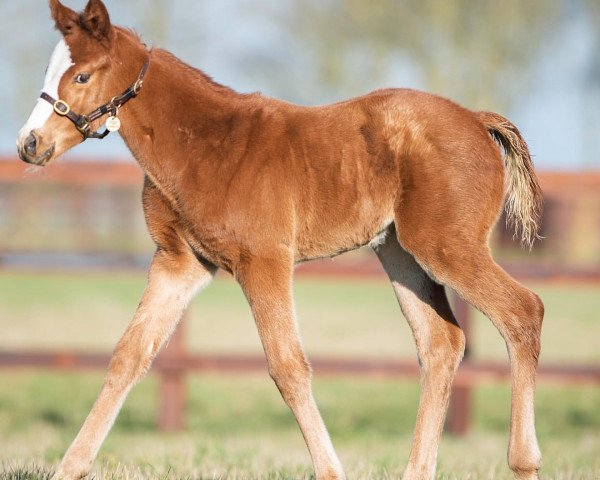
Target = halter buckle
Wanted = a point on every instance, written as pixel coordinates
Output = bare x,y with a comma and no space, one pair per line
137,86
83,129
62,108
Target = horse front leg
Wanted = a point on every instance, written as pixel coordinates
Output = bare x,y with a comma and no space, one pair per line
267,284
173,280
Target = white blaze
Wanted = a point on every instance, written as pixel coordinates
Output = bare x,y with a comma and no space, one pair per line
60,62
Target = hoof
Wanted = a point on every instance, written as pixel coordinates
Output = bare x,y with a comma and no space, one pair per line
527,475
70,474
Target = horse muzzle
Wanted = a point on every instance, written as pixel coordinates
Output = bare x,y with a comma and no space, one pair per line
28,151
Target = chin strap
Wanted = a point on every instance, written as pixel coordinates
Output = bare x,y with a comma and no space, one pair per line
82,122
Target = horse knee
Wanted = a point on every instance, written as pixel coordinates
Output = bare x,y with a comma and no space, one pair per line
130,363
292,377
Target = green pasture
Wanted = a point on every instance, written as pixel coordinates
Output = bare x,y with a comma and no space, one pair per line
338,318
239,428
237,425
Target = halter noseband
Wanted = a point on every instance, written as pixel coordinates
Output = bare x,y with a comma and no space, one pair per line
82,122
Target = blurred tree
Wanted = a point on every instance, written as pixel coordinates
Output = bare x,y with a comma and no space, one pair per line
475,51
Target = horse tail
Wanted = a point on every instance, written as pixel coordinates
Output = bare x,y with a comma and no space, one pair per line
524,200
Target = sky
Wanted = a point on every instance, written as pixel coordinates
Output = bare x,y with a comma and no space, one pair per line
228,38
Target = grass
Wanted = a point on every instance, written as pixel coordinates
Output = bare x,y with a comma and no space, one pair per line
238,427
337,318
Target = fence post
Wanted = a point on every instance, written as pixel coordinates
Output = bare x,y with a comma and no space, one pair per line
459,412
172,389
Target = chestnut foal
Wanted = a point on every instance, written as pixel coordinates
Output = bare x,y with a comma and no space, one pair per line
254,186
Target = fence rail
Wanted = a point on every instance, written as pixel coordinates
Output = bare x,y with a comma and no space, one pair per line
173,365
175,361
469,371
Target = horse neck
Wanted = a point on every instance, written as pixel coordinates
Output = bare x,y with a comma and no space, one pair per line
177,116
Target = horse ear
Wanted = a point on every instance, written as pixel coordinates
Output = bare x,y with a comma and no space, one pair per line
65,19
96,20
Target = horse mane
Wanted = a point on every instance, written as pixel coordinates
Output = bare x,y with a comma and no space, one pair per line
195,73
130,32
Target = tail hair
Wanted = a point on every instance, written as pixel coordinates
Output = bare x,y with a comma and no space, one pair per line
524,200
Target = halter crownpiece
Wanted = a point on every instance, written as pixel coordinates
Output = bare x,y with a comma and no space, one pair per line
82,122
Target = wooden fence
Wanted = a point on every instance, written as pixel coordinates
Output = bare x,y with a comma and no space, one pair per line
175,362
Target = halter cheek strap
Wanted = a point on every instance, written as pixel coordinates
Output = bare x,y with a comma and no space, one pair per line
82,122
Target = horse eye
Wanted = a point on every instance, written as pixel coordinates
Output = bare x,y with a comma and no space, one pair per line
82,78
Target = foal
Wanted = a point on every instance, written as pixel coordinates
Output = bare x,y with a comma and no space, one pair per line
254,186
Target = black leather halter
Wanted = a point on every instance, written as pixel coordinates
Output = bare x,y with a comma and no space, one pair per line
82,122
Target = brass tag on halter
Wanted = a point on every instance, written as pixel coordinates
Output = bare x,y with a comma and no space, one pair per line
113,124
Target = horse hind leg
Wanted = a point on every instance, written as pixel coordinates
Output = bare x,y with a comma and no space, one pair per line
468,268
440,347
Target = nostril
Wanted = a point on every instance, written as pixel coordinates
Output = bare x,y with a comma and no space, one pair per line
30,144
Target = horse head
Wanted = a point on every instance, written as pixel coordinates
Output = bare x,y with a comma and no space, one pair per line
80,75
